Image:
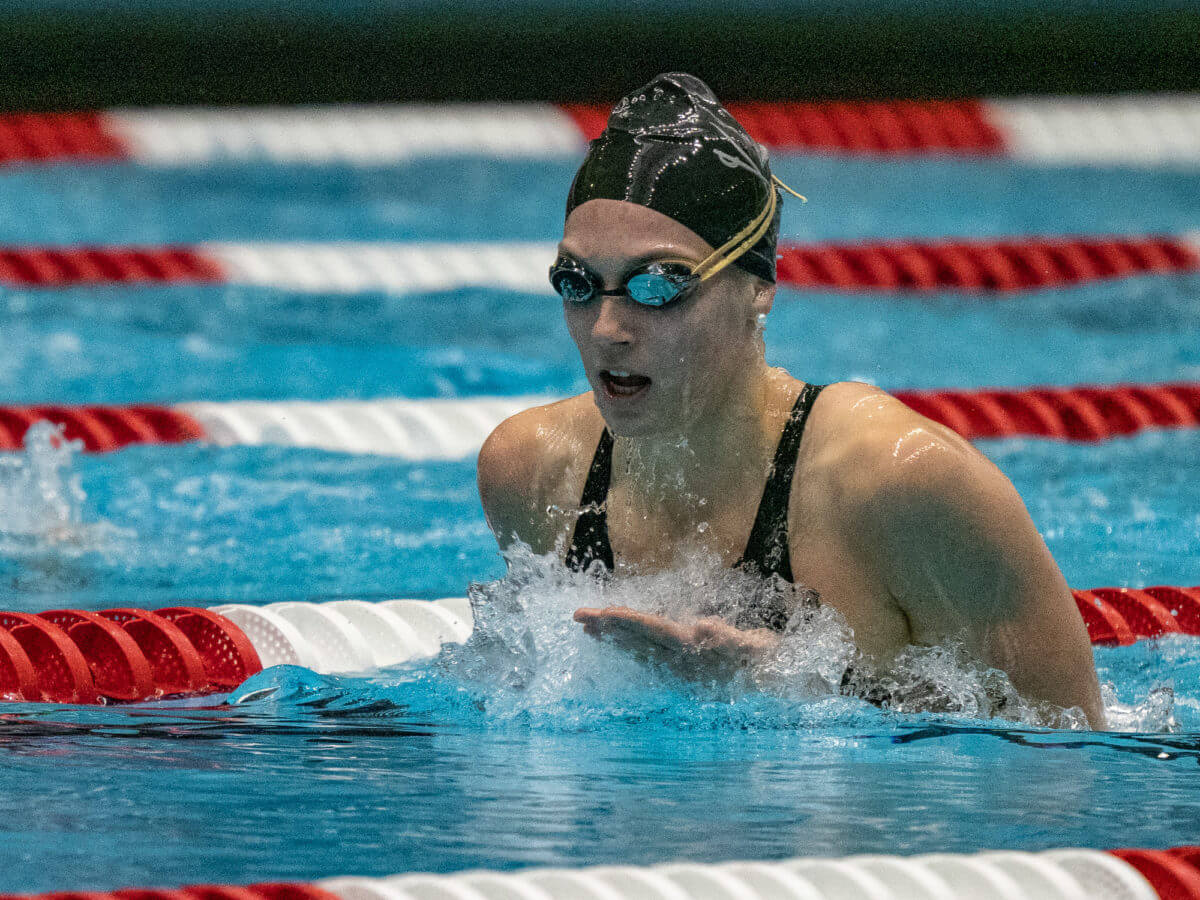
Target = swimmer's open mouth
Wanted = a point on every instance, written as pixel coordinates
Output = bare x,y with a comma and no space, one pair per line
620,384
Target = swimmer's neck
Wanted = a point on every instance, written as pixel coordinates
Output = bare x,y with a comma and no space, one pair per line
727,446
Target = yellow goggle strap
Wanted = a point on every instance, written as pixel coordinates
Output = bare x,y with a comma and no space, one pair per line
744,239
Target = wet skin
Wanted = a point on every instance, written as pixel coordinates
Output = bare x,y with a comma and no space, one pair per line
899,524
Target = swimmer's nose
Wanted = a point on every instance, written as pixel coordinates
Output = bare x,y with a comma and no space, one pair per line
612,324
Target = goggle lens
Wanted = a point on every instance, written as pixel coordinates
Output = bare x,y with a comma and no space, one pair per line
656,285
571,284
653,288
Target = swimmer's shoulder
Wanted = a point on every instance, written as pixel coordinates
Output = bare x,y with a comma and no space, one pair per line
900,487
537,460
863,443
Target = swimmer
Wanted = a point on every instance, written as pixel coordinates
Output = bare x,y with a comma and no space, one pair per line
689,441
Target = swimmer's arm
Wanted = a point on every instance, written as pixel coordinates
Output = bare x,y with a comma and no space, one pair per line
702,650
507,475
953,541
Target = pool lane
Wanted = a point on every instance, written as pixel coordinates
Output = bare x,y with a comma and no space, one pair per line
176,343
478,199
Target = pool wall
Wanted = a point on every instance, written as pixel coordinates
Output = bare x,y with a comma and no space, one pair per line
72,55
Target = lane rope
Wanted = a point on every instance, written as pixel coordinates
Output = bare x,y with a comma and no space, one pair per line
438,429
1144,130
1060,874
983,267
129,655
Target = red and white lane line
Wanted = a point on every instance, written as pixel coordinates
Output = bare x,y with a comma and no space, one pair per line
456,429
411,429
994,267
1132,130
1066,874
127,655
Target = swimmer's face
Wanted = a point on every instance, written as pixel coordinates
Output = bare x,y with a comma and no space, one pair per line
658,370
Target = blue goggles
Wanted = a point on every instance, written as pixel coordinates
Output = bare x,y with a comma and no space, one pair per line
655,284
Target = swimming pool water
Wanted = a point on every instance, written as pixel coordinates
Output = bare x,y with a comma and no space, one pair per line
424,769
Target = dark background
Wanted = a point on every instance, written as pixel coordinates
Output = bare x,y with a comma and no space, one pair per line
66,54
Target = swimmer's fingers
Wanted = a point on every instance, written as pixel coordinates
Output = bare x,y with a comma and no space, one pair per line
717,636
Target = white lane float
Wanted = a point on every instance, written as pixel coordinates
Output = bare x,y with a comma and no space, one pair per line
413,429
1060,874
341,636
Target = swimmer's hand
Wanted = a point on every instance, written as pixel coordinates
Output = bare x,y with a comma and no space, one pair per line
707,648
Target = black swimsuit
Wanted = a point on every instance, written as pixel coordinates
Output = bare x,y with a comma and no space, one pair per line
767,548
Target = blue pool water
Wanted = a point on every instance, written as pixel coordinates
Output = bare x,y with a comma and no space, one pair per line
447,765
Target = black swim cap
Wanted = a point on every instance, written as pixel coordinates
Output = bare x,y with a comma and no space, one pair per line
672,146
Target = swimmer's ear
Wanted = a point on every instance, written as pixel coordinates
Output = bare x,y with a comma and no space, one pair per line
764,297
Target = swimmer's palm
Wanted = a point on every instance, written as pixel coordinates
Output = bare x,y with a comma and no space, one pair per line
707,648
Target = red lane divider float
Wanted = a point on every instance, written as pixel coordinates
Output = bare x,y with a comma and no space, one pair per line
38,137
102,428
66,266
223,648
995,267
991,267
177,665
1069,414
899,127
1174,874
63,674
119,669
73,656
1084,413
1124,615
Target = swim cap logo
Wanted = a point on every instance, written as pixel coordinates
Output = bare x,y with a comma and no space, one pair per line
733,162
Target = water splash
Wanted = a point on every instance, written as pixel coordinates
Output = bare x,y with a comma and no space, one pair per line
42,497
528,663
528,660
1155,713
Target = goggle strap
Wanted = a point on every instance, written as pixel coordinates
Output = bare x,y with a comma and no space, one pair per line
800,197
733,248
739,243
744,239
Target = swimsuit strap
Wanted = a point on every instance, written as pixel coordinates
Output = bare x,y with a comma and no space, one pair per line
590,540
767,549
